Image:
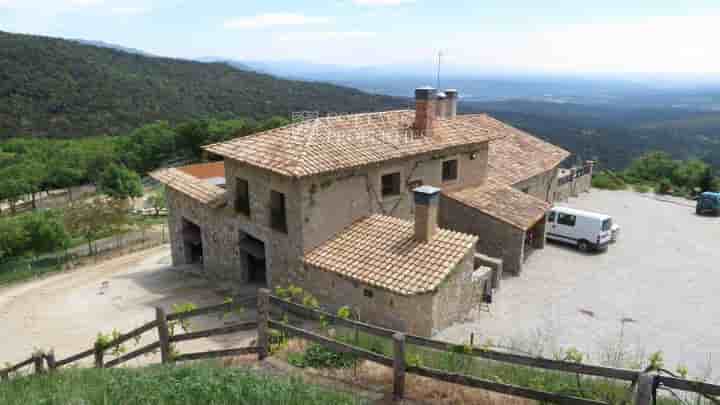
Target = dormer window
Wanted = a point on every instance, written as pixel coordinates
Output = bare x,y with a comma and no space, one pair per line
390,184
450,170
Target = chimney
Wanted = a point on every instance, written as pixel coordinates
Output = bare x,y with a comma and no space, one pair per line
424,110
441,106
451,102
426,212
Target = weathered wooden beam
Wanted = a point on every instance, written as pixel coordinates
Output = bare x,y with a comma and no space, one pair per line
18,366
506,389
692,386
99,352
333,344
133,333
39,362
538,362
224,307
50,360
224,330
216,353
75,357
163,334
645,389
398,366
310,313
263,318
135,353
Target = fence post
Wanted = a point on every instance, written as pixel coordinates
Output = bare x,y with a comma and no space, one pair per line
39,360
263,315
99,353
163,334
399,366
50,359
645,390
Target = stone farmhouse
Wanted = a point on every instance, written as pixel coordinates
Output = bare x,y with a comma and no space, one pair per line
385,212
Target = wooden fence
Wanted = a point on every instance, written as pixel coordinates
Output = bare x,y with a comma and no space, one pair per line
644,385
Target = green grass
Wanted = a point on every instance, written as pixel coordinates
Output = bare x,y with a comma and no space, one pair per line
26,268
200,383
602,389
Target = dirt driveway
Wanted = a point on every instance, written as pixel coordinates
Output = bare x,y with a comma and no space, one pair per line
65,312
662,277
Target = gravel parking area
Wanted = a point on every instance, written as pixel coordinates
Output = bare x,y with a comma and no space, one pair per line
662,277
65,312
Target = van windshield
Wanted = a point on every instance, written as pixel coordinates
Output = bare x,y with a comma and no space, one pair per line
607,224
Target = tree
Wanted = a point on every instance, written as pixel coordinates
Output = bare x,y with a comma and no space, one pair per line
94,219
14,185
707,181
652,166
689,174
120,183
45,232
158,201
13,238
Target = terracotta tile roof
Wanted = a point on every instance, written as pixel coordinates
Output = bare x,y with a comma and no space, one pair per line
205,170
199,189
381,251
329,144
503,202
519,156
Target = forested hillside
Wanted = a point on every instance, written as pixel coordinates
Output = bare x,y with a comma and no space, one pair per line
61,88
614,135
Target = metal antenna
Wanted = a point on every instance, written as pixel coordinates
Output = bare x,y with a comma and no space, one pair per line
438,70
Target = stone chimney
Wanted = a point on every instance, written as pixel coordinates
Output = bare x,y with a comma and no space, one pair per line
426,212
425,113
451,102
441,107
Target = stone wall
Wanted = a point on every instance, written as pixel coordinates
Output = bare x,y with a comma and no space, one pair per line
542,186
457,296
221,255
384,308
423,314
496,238
332,202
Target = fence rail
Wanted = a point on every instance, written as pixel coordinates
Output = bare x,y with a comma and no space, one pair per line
645,384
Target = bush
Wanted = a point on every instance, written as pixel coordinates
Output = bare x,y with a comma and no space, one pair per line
664,186
317,356
608,181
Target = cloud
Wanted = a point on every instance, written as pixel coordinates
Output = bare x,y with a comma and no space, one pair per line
382,2
129,10
325,35
54,5
272,20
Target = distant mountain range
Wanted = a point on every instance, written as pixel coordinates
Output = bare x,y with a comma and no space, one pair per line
57,87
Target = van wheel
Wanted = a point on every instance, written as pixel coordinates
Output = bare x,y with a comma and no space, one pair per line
584,246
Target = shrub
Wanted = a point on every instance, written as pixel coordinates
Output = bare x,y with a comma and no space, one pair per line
664,186
608,181
317,356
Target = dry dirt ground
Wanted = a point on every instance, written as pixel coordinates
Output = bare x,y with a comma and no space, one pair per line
65,312
662,277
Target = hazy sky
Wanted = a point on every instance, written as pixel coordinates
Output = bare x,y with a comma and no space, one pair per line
677,36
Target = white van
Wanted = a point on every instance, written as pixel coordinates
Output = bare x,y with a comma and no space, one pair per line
584,229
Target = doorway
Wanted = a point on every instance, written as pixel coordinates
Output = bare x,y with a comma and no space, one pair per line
254,251
192,242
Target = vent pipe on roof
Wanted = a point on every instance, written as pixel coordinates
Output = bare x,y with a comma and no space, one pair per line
451,102
426,212
424,110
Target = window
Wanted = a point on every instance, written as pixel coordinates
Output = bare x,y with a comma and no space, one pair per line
278,221
367,293
551,217
526,190
390,184
566,219
242,197
450,170
607,225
